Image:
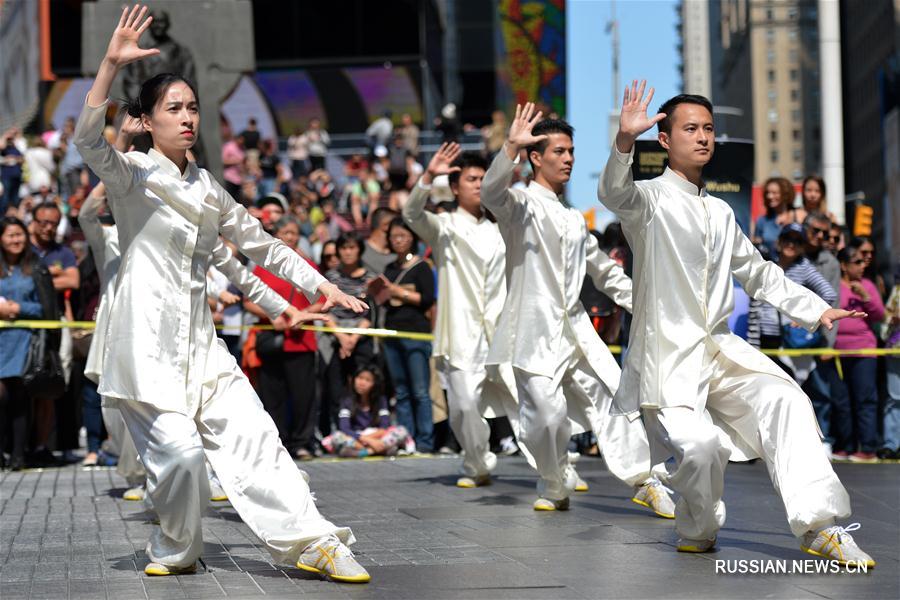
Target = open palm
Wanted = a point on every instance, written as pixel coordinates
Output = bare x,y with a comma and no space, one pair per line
633,120
443,158
525,120
123,46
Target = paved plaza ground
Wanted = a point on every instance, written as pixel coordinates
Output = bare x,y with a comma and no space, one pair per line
66,533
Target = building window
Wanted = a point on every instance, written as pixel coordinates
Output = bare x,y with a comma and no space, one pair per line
770,35
773,136
773,115
795,74
771,76
772,95
774,156
795,95
792,35
796,116
792,12
770,14
796,135
792,55
798,154
770,56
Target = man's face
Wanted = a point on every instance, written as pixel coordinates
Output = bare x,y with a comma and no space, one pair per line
817,234
468,189
692,140
45,223
159,26
556,161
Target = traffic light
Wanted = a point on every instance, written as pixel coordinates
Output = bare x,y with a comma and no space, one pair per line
862,220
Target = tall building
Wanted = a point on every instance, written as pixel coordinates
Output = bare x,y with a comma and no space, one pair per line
695,47
870,57
769,69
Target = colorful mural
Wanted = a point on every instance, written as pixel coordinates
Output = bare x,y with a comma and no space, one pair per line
531,54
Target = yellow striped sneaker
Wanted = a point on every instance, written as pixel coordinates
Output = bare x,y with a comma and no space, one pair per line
695,546
581,485
836,543
135,494
328,556
655,496
546,504
160,570
472,482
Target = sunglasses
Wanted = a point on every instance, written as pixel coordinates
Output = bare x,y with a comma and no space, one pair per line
819,231
835,238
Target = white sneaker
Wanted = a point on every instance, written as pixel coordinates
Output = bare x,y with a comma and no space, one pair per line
836,543
216,493
546,504
581,485
655,496
135,494
472,482
328,556
508,446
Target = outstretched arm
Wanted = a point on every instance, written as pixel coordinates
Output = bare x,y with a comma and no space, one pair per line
250,285
495,193
424,223
607,275
766,281
617,190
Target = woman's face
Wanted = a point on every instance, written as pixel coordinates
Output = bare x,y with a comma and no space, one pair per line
289,234
13,241
853,269
175,122
773,196
812,195
329,256
866,252
349,254
789,249
363,383
401,240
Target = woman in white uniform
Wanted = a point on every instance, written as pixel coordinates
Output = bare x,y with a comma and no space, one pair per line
180,392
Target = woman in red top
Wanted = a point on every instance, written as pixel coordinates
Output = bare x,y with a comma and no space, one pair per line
857,425
288,373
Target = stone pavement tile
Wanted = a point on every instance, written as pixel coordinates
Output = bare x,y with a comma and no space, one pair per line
120,590
88,589
238,584
567,535
14,591
49,590
851,586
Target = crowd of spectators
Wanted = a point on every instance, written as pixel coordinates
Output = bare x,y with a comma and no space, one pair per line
356,395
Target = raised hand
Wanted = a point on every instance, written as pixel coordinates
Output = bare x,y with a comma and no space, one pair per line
633,120
520,131
123,46
836,314
442,159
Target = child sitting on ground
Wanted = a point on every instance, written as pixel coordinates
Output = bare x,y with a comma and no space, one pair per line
364,420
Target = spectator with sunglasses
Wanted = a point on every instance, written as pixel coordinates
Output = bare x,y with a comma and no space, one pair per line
856,424
823,386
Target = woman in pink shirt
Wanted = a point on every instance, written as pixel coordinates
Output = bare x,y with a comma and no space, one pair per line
857,425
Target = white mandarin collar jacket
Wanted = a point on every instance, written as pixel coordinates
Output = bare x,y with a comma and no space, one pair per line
470,258
160,336
548,252
687,248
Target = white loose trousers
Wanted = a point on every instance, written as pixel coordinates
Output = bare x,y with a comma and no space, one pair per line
240,440
547,408
786,437
465,391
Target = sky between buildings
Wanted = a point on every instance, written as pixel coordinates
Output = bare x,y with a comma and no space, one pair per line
648,43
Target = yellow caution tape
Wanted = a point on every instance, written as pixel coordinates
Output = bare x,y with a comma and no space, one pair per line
427,337
382,333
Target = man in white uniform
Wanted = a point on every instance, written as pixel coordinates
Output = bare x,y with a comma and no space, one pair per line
683,358
562,368
470,257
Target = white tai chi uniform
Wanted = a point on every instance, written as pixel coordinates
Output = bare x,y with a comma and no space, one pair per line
180,391
564,373
470,257
683,358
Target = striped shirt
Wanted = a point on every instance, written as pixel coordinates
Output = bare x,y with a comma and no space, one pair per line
764,319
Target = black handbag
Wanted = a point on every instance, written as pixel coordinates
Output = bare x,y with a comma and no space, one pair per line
43,374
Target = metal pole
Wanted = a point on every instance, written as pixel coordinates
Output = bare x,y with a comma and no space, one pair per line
614,24
832,109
